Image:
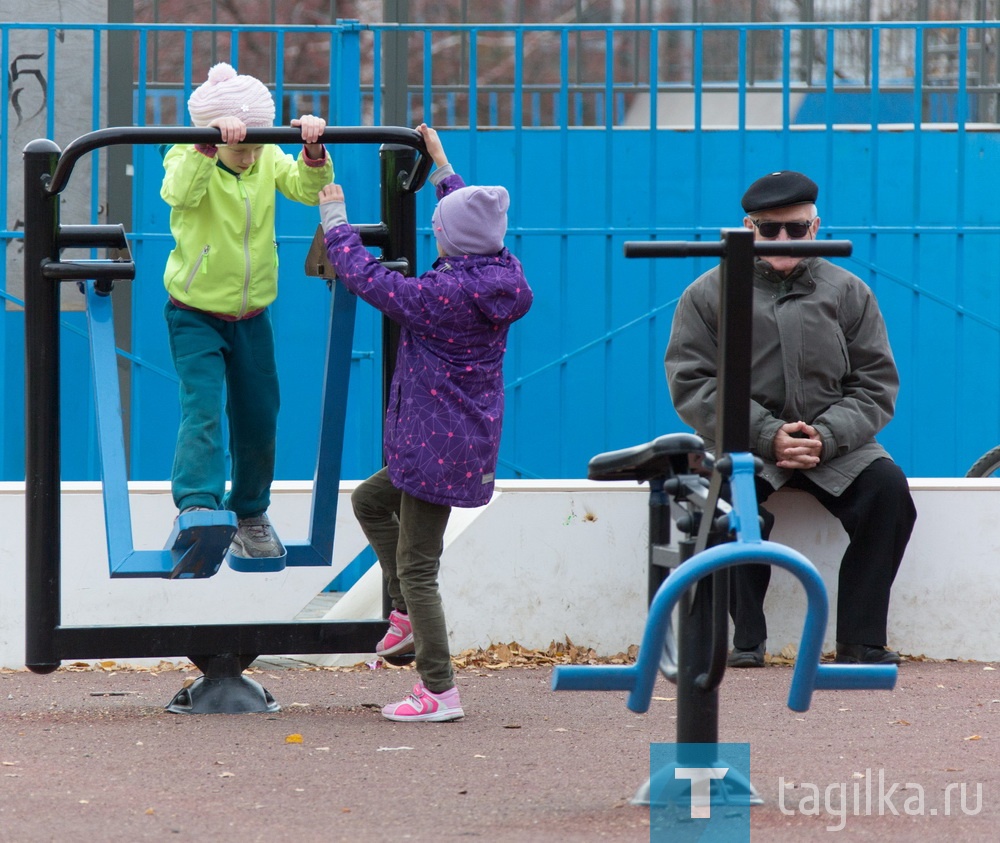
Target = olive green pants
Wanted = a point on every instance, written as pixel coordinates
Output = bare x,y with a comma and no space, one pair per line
407,535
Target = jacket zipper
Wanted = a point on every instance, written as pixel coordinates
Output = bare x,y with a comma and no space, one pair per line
197,265
246,250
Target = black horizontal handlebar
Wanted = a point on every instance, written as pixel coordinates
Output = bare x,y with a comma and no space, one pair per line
716,248
280,134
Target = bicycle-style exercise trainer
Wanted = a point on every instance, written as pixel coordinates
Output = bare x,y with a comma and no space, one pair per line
694,574
200,540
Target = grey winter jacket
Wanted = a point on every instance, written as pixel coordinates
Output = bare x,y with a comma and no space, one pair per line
820,355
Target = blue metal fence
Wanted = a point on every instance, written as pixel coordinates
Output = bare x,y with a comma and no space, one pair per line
897,122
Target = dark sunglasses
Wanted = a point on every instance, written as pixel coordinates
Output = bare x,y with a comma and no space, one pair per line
796,230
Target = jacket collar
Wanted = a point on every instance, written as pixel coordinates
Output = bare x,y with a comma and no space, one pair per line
800,276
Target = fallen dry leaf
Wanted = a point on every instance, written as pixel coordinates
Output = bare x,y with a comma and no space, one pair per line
501,656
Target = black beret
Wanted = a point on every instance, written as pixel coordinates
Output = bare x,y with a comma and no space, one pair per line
778,190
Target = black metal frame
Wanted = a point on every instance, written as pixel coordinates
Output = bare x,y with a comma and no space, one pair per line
704,614
46,172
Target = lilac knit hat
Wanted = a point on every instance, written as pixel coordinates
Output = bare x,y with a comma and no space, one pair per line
472,220
227,95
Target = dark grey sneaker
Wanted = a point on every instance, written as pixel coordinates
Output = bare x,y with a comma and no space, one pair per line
754,657
255,539
866,654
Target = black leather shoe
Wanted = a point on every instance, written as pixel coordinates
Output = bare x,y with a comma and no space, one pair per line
754,657
865,654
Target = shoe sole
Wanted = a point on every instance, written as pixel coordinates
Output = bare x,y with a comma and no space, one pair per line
403,648
745,663
433,717
239,549
859,661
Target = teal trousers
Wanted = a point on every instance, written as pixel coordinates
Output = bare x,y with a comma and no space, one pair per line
210,353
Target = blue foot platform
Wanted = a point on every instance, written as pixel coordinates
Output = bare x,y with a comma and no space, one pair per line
199,542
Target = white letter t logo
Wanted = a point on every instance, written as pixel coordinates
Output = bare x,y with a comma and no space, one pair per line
701,788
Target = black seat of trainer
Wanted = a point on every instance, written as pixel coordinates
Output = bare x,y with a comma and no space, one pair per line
667,455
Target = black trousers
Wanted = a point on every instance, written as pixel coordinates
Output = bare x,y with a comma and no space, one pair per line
878,514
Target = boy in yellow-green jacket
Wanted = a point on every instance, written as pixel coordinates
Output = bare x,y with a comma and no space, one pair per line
221,277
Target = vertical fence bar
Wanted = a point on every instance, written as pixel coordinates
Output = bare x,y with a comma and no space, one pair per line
234,47
515,394
698,69
562,114
377,47
831,103
473,101
348,75
961,115
7,469
875,155
915,248
654,83
188,72
430,115
610,381
741,81
652,295
786,92
279,80
741,95
50,111
142,71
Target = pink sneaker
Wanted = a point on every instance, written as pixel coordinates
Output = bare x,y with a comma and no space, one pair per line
421,704
399,638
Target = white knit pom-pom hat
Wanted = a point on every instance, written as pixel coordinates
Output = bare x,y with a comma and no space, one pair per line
227,94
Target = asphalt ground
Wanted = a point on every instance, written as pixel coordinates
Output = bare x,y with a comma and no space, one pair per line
89,753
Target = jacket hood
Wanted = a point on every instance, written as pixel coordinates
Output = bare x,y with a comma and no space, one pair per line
496,283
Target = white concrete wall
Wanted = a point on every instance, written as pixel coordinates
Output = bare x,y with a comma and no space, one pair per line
543,561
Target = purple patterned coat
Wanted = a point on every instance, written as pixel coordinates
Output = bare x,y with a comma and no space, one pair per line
445,410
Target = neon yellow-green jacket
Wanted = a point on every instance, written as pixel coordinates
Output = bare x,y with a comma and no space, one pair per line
225,258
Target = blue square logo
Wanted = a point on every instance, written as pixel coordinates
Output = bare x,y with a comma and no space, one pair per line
700,792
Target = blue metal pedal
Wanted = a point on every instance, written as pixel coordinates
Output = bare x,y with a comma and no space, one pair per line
199,542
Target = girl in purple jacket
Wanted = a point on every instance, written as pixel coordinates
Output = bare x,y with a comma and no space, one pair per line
442,426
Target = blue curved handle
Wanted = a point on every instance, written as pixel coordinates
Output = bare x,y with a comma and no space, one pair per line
808,675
